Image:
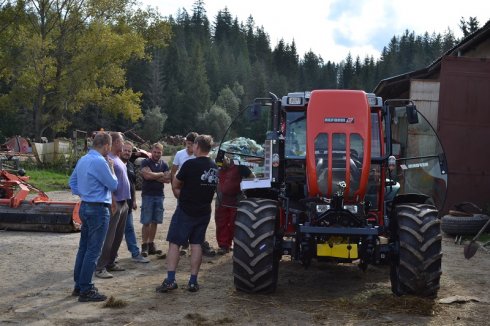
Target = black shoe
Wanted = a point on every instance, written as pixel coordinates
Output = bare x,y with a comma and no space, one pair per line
91,296
167,286
207,250
152,250
144,249
192,287
223,251
76,291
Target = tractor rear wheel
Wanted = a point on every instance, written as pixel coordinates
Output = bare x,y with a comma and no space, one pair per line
255,252
416,268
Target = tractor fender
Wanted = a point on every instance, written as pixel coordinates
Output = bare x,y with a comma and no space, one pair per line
410,198
414,198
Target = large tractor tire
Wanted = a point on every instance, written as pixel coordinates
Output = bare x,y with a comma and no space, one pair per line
416,268
463,225
256,253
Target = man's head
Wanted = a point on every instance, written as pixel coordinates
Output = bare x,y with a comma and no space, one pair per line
102,143
202,145
189,142
127,151
117,142
156,152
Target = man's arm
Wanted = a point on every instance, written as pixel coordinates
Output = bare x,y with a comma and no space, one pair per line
176,187
104,172
173,171
73,182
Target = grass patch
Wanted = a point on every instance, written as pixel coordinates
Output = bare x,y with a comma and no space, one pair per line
48,179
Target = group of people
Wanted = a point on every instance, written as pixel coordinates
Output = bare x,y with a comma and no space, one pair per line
105,181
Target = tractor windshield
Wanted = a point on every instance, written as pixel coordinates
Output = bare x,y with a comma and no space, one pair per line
421,164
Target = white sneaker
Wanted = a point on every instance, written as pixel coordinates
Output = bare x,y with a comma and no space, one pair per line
140,259
103,274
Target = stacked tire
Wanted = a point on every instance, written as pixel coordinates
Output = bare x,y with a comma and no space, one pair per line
461,223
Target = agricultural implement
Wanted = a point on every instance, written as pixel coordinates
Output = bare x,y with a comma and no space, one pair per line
23,207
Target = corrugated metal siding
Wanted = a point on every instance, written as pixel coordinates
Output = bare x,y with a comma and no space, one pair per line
464,128
425,94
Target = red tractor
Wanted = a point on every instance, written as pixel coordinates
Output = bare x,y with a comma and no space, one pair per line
339,176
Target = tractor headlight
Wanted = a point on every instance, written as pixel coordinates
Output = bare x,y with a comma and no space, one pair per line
351,208
322,208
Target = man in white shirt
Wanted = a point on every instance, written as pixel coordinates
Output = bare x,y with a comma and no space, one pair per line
184,154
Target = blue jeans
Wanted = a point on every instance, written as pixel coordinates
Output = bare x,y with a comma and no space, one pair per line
151,210
95,222
130,235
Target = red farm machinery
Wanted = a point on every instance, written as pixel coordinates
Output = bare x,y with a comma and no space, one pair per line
339,176
23,207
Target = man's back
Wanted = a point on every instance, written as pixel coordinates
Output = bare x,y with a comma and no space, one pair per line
200,179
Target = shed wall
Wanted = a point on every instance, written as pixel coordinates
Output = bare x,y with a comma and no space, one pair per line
464,128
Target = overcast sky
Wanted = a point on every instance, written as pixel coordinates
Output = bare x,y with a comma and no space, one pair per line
333,28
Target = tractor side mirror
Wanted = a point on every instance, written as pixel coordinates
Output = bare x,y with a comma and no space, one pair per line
412,115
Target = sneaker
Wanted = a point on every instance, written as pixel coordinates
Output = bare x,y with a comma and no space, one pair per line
152,249
115,268
103,274
91,295
192,287
183,252
140,259
207,250
167,286
76,291
144,250
223,251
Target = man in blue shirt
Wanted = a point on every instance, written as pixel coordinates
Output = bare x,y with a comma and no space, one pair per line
93,179
117,223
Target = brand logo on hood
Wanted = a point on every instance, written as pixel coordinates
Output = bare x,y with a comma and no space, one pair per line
338,120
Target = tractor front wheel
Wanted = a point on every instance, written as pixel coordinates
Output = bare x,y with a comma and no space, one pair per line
255,252
416,265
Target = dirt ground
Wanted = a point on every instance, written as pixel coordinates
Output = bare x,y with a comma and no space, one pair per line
36,284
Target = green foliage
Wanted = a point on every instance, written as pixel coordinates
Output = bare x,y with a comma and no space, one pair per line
152,124
228,101
214,122
66,55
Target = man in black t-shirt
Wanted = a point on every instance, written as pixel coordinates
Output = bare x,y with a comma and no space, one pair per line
155,173
194,186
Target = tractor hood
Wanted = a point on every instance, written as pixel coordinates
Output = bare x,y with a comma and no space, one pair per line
338,143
